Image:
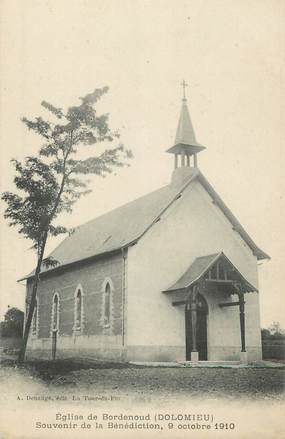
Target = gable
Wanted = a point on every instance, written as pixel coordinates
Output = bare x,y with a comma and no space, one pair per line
237,227
216,268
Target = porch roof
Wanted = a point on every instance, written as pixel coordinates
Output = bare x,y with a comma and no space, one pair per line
199,269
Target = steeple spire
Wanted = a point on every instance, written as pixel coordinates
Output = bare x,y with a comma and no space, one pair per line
186,144
185,132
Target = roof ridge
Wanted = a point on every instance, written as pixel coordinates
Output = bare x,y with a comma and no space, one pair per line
127,228
102,215
176,191
121,206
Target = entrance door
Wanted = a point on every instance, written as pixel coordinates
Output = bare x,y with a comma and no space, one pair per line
53,346
201,329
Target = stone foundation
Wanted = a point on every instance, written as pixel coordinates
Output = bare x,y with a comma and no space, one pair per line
233,353
110,347
93,347
156,353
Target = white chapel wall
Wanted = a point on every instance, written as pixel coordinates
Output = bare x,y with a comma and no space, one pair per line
193,226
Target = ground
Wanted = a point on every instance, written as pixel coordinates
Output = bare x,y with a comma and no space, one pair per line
146,382
38,398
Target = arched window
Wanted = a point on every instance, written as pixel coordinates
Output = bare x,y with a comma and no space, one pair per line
78,314
107,304
55,312
35,319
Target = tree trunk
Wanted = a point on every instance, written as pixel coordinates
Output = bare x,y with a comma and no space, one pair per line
39,263
28,322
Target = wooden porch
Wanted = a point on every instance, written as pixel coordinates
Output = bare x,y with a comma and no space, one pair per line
211,274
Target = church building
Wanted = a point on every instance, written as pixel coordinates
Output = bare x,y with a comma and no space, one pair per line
171,276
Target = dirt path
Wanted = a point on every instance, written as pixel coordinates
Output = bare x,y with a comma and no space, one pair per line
162,382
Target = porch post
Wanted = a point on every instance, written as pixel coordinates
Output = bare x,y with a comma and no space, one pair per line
194,353
243,354
242,322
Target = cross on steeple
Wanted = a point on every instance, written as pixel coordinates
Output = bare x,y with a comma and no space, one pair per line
184,85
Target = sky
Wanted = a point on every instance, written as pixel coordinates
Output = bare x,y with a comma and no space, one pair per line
232,56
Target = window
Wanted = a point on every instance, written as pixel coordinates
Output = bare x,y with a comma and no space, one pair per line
35,319
78,314
55,312
107,304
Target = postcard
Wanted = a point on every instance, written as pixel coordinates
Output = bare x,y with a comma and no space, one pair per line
142,238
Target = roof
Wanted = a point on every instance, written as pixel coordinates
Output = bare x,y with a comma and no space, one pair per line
199,268
125,225
113,230
185,139
194,272
181,148
260,254
185,131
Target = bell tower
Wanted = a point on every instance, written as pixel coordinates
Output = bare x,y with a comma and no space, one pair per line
186,147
